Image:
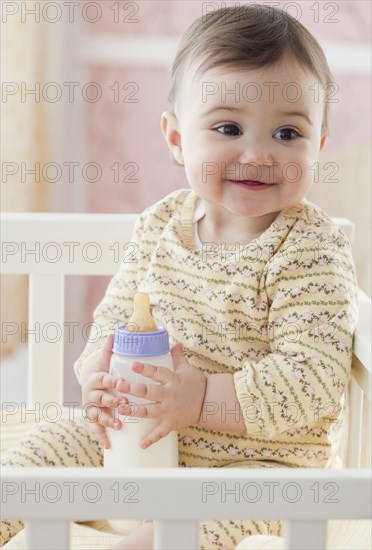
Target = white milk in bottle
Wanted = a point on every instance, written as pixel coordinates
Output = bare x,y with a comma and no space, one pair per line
140,340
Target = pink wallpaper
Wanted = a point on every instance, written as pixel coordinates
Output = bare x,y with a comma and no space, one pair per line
126,140
169,17
338,20
350,123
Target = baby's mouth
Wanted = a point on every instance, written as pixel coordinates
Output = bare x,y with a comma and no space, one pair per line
252,183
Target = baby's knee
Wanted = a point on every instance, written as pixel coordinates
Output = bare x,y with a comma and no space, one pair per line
65,442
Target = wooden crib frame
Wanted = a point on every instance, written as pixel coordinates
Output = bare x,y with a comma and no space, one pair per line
305,499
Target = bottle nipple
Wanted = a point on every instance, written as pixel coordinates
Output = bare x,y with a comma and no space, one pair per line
141,320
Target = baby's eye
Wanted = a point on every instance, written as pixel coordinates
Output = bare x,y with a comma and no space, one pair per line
232,130
287,134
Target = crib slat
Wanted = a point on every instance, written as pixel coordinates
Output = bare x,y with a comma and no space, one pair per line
366,445
47,535
355,425
46,343
305,535
176,535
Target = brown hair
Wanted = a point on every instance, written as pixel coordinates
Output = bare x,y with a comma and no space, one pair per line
251,36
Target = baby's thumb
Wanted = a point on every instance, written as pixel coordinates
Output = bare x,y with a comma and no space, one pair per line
106,351
178,356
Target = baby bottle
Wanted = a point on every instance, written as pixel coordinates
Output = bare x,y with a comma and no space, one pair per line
140,340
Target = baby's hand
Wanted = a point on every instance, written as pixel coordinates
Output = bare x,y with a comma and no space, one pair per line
98,403
176,402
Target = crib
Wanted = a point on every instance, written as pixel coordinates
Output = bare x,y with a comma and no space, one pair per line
305,499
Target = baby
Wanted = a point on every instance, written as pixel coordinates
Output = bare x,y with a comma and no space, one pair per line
255,281
255,284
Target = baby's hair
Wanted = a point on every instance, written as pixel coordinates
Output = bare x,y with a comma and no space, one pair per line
251,36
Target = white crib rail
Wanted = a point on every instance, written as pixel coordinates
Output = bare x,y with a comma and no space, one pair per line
304,499
50,246
359,423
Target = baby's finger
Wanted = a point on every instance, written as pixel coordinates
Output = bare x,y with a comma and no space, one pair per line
92,412
106,352
102,398
112,401
159,374
152,410
99,415
101,381
152,392
109,418
157,433
99,432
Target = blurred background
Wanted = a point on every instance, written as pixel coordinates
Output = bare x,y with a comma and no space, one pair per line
83,88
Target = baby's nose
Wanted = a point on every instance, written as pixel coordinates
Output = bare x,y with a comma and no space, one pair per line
255,152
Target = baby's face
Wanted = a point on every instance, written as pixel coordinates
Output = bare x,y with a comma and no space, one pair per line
235,126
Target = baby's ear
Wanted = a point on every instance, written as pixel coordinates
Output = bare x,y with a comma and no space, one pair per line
169,128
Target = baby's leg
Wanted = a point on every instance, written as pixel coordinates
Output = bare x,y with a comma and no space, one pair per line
228,534
141,539
213,534
64,443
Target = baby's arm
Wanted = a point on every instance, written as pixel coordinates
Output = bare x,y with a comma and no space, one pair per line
312,301
289,377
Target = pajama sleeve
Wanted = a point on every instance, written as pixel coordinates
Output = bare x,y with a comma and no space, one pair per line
312,302
117,304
